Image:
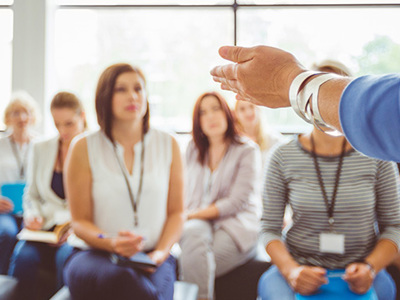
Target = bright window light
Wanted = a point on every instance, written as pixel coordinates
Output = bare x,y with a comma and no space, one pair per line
364,39
176,49
6,36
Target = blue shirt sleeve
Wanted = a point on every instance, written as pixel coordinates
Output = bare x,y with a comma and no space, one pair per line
370,115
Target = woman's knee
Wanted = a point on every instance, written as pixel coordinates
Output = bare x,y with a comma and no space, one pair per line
8,227
26,254
273,286
384,286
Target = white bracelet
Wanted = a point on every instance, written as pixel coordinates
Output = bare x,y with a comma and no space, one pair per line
300,106
310,93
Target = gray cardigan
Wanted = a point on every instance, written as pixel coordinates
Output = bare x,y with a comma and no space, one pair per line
235,191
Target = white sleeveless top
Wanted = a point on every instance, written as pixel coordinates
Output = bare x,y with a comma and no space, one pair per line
112,207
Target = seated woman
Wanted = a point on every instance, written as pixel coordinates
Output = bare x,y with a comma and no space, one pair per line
222,198
125,189
45,204
249,122
20,115
345,216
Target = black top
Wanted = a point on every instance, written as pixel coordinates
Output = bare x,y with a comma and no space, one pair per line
57,184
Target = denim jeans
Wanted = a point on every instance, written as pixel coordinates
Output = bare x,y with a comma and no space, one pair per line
9,227
272,286
90,274
28,258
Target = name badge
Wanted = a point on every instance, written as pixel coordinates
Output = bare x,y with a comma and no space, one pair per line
331,243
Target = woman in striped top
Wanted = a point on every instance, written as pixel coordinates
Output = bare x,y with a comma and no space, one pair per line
345,217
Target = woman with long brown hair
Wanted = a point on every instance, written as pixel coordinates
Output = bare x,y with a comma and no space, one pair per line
222,198
124,183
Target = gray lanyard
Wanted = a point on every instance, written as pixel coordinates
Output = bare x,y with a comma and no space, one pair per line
20,162
134,202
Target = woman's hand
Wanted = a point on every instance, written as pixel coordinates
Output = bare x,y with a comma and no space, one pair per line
6,205
33,223
158,256
127,243
359,276
306,280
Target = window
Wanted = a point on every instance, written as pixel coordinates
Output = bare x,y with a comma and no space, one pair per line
175,42
364,39
176,48
6,36
143,2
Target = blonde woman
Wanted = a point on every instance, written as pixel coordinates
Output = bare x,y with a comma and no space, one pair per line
249,122
20,116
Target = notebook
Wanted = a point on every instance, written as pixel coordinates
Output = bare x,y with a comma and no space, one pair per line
139,260
14,192
56,235
337,288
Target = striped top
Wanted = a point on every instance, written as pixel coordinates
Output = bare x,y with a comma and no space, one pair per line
366,209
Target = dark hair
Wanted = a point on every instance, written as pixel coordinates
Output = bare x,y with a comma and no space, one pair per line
200,139
68,100
104,96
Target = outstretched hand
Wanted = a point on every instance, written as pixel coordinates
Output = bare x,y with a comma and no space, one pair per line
261,74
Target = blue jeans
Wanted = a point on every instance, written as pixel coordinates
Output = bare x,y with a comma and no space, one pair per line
91,275
272,286
9,227
28,258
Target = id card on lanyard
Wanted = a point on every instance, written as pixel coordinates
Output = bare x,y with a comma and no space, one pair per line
331,241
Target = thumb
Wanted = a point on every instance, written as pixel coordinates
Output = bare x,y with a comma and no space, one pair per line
351,269
236,54
125,233
319,270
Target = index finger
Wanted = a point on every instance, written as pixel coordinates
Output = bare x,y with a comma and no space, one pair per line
228,72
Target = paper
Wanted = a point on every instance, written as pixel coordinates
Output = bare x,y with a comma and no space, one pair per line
331,243
337,288
14,192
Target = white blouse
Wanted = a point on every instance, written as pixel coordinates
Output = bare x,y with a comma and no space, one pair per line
11,160
112,207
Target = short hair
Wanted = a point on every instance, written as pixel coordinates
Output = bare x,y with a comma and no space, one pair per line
25,100
67,100
332,66
104,96
200,139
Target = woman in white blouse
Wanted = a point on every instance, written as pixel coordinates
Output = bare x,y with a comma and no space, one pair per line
45,204
20,115
124,183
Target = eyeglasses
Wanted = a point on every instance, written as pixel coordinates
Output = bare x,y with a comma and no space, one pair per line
19,113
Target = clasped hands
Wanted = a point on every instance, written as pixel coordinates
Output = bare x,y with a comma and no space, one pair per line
306,280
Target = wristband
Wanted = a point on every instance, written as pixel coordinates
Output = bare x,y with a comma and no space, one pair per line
299,106
370,267
310,94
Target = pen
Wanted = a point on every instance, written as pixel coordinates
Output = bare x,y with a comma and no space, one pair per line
105,236
335,275
109,236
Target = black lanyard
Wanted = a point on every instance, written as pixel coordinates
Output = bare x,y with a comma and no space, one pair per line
20,162
134,202
330,208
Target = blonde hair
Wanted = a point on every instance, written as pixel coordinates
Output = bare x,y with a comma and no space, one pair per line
260,134
22,98
332,66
